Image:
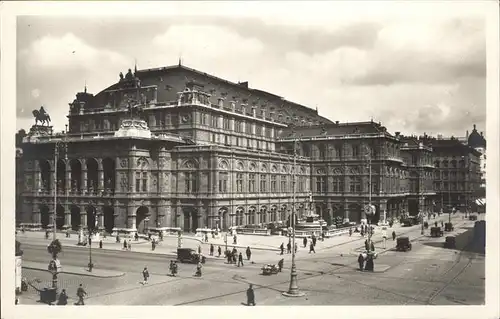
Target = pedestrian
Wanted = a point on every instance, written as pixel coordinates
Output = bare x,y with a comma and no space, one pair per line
311,248
136,236
314,239
229,257
149,236
118,239
80,293
282,248
129,245
250,296
248,253
235,240
280,264
125,244
350,232
211,249
234,255
145,275
442,224
435,224
393,235
153,245
100,243
361,262
67,234
161,236
304,241
63,298
199,249
295,247
240,259
289,248
219,250
362,232
206,237
46,235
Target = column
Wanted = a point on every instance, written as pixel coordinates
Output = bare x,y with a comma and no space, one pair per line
100,177
84,177
100,218
36,217
346,213
383,210
83,217
38,178
68,180
179,220
67,216
53,180
131,217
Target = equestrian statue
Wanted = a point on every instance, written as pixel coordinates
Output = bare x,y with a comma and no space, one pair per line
42,116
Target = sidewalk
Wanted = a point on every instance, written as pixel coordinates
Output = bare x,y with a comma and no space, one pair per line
73,270
258,244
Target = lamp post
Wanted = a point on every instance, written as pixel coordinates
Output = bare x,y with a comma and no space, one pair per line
57,145
91,264
293,290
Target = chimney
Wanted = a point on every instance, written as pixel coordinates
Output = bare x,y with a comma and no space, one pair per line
244,84
397,133
337,122
482,134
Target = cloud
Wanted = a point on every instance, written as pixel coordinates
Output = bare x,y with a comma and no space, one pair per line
412,73
66,52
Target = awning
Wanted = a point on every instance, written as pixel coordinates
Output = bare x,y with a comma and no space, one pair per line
481,201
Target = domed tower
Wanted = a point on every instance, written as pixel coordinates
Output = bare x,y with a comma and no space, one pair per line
476,140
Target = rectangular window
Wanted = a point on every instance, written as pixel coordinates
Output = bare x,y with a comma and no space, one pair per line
251,183
375,187
336,185
187,180
214,121
262,183
355,151
355,186
227,140
204,119
223,177
226,123
273,184
283,184
137,182
144,182
321,184
239,183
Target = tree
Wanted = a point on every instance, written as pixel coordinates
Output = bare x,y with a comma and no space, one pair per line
54,248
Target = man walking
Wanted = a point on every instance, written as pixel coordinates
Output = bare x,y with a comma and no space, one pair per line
240,259
145,275
219,250
350,232
393,235
304,241
199,249
282,248
250,296
153,245
125,244
280,264
129,245
80,293
295,247
211,249
311,248
289,247
249,253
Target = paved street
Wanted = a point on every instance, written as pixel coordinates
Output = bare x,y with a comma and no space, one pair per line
429,274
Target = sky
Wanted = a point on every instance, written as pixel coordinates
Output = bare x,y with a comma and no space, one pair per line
411,70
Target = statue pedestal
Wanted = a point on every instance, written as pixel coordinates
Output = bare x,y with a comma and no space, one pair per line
38,130
133,128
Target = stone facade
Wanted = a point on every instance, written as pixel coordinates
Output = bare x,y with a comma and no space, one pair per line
204,152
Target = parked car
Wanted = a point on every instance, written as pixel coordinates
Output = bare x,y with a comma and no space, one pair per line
436,232
189,255
403,244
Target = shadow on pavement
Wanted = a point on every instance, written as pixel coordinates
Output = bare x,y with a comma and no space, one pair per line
465,242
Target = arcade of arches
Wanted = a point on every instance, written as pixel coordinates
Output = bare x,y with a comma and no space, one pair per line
77,176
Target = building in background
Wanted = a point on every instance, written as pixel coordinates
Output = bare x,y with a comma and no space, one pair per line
176,147
477,141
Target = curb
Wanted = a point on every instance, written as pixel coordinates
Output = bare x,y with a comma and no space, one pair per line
120,274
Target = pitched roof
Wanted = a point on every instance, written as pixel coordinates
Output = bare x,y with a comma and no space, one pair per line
335,129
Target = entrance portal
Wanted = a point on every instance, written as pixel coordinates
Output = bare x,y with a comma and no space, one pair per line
44,216
140,219
75,217
60,217
190,220
109,219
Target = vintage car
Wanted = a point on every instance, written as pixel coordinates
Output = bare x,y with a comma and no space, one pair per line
436,232
270,269
450,242
403,244
189,255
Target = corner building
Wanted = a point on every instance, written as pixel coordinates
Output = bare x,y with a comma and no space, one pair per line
206,152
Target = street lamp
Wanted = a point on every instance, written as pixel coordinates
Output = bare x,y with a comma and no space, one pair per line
293,290
91,265
57,145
